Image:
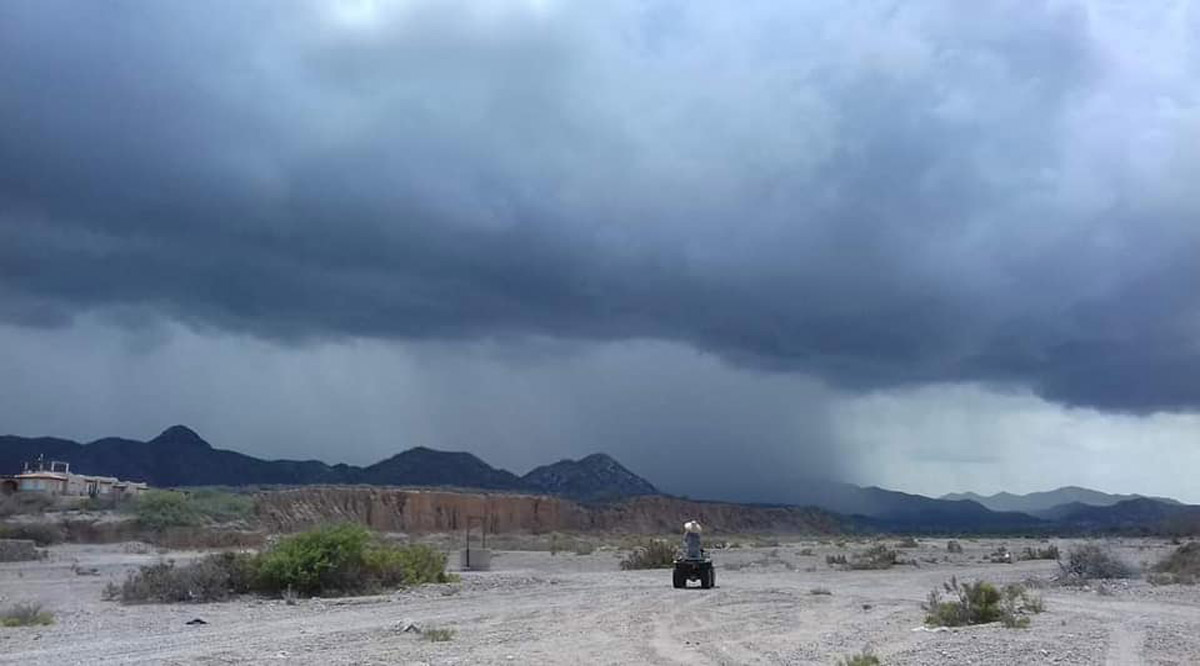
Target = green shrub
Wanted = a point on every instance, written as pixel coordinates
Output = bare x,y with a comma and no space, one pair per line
329,558
1090,561
25,615
162,509
43,534
653,554
980,603
344,559
1181,566
864,658
221,507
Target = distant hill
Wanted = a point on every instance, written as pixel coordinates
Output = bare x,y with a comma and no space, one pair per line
422,466
894,510
596,477
1140,515
1035,503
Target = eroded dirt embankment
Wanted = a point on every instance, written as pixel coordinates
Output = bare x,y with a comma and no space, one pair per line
417,511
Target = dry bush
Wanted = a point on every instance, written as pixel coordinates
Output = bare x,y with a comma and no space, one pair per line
875,557
204,538
438,635
43,534
653,554
95,531
1090,561
25,615
26,503
835,560
213,578
980,603
954,546
864,658
1048,553
1181,566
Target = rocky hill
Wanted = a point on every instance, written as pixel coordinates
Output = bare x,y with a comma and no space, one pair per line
597,477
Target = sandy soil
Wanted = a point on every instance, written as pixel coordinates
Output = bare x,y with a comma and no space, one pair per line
535,607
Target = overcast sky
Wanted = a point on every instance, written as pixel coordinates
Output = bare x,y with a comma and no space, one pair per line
934,245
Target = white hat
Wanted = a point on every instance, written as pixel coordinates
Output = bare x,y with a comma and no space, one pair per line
692,527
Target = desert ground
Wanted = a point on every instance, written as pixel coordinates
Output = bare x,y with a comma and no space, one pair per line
535,607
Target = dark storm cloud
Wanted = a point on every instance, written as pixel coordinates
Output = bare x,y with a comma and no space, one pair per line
876,194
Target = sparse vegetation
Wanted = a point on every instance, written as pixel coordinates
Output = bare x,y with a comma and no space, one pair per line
653,554
876,557
213,578
908,542
954,546
864,658
25,503
1048,553
162,509
438,635
1181,566
981,603
25,615
43,534
345,559
1091,561
835,560
1001,555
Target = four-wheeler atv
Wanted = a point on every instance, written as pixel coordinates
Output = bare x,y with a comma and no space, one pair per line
700,569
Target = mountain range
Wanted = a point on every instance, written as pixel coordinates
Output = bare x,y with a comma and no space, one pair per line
180,457
1049,501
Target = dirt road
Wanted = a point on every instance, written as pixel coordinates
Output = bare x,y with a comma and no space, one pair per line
538,608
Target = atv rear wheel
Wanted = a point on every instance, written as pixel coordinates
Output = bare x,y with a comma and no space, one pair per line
679,579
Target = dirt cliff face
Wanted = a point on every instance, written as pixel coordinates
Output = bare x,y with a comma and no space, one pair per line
420,511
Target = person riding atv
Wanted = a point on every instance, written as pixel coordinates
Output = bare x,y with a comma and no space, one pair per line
695,563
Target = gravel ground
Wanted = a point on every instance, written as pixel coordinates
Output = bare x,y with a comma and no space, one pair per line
538,608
